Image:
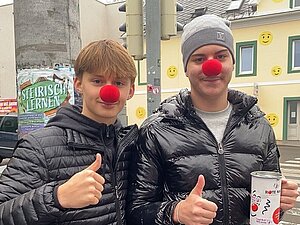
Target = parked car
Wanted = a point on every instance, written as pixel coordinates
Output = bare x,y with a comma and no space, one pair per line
8,135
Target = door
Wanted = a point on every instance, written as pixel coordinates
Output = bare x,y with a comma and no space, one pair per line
293,120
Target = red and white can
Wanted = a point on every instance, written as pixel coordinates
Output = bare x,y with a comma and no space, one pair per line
265,198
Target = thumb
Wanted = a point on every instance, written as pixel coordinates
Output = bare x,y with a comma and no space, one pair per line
284,183
96,164
197,190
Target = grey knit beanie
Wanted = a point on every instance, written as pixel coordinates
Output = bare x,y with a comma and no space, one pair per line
205,30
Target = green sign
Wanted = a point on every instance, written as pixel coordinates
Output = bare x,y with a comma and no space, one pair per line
43,96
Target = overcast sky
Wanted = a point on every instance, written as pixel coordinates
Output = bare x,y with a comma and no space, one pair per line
4,2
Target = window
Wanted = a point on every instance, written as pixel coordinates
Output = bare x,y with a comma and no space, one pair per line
294,3
235,5
294,54
246,58
9,124
293,113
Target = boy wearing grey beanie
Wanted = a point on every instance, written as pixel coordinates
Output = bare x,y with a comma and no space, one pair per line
191,166
205,30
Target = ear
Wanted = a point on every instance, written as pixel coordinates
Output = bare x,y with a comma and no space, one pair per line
77,85
131,92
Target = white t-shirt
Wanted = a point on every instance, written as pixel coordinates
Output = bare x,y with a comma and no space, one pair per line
216,121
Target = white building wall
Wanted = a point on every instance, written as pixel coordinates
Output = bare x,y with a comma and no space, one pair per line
100,21
7,53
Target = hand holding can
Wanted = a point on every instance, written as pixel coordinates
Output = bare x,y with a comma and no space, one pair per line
265,197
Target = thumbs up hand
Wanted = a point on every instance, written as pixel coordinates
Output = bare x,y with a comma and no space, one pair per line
83,188
195,210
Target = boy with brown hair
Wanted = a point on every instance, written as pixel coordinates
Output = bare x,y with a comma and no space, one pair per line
74,171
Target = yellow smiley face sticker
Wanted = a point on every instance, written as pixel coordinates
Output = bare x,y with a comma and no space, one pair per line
172,71
276,71
140,112
273,119
265,38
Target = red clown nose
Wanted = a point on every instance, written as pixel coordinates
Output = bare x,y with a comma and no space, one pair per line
212,67
109,93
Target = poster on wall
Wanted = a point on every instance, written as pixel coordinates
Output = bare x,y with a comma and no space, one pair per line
40,93
8,105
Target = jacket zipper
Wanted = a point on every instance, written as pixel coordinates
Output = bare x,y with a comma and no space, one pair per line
223,182
118,207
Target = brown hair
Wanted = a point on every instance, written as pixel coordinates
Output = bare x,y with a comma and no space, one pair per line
107,57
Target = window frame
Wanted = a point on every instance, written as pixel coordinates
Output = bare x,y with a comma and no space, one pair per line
292,4
239,46
291,68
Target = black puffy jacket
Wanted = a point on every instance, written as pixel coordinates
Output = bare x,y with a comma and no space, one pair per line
48,157
175,147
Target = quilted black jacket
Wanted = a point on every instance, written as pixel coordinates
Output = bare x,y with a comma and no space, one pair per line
48,157
175,147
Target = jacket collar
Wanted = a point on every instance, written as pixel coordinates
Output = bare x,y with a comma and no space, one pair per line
181,104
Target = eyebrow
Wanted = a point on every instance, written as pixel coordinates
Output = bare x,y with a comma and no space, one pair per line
223,50
97,75
100,76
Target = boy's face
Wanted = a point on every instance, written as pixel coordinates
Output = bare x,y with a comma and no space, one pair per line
93,107
214,86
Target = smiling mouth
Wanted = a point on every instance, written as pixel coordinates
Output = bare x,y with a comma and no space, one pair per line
211,78
108,103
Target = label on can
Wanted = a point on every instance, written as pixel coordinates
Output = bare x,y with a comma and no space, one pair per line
265,197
